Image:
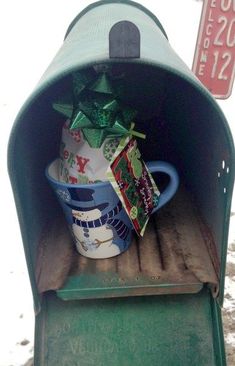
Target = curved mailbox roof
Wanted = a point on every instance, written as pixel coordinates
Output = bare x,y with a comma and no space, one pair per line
34,138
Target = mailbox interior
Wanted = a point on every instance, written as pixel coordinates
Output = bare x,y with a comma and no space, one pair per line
183,126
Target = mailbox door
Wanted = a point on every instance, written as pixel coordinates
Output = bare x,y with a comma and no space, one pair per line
158,330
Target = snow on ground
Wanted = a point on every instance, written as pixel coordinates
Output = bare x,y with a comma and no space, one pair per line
31,33
229,297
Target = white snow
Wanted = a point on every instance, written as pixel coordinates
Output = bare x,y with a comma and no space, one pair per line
31,33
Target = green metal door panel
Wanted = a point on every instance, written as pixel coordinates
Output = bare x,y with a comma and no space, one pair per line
163,330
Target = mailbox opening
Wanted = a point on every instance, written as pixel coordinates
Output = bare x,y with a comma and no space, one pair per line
181,250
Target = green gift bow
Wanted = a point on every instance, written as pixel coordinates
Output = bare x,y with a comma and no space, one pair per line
95,108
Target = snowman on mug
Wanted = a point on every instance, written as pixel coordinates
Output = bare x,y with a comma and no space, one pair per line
97,235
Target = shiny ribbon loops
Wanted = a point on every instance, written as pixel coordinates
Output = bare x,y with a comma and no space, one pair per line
95,107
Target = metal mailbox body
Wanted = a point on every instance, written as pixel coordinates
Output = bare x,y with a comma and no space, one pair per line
161,330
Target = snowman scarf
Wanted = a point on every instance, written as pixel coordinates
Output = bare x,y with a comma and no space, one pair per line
121,228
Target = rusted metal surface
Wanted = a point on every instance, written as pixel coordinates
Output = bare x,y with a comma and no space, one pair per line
54,256
191,238
172,257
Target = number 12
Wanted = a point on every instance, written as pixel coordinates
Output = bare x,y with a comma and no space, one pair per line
227,57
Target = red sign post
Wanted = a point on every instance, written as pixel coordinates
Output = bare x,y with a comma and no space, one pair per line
214,59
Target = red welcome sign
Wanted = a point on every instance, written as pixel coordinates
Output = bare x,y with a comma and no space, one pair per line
214,60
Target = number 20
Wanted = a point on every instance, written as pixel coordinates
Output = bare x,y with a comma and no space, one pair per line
229,41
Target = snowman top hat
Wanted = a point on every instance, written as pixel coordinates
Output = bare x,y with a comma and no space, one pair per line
82,200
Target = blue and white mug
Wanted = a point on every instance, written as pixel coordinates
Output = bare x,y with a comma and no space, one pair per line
98,221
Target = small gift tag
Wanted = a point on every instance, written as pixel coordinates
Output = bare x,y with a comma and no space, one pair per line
133,183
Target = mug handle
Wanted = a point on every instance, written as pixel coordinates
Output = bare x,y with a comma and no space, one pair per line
168,193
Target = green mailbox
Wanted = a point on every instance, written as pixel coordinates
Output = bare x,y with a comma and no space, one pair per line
160,302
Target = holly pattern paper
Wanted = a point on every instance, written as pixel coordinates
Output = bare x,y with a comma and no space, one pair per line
79,162
133,183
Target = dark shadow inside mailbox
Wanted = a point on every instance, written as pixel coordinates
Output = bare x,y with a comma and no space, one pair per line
184,247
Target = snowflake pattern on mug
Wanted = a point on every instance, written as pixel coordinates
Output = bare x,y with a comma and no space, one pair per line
64,194
155,200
